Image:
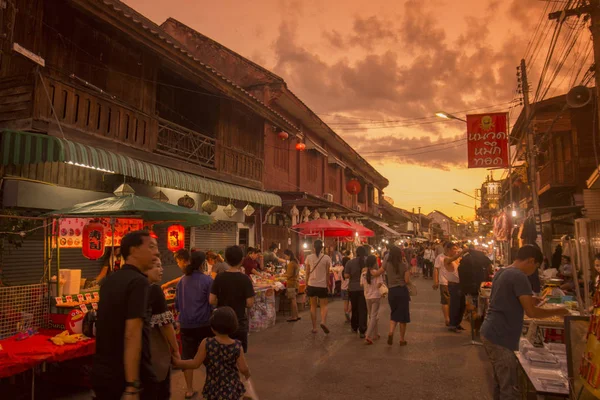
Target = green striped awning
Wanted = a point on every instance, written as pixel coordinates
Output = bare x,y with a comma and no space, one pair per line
29,148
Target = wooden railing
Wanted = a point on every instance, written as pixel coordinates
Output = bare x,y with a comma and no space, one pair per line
89,111
241,164
177,141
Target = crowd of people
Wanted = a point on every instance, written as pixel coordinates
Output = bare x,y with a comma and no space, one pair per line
136,344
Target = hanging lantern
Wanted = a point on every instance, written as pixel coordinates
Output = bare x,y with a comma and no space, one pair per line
186,201
93,240
300,146
353,186
324,216
175,238
230,210
209,207
283,135
294,213
316,215
248,210
333,217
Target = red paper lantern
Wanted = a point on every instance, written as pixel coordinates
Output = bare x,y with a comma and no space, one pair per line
353,186
283,135
93,240
300,146
175,237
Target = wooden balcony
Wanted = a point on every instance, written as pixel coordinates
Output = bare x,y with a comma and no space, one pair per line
93,112
240,163
180,142
556,175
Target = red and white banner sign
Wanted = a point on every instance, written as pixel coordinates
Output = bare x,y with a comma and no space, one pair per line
487,140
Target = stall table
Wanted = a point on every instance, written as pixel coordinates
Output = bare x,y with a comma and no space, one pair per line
19,356
530,380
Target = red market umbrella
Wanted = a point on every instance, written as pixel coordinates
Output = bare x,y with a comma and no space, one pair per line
361,230
325,227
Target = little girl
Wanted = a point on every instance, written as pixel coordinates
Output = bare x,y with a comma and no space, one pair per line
371,285
223,357
413,264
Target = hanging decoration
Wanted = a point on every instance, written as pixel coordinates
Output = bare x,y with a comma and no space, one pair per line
186,201
248,210
316,215
333,217
294,213
160,196
300,146
209,207
230,210
283,135
353,186
324,216
305,214
175,237
93,240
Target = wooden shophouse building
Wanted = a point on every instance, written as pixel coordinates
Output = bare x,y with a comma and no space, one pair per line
314,179
93,94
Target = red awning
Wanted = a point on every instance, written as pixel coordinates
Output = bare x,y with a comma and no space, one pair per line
324,226
362,231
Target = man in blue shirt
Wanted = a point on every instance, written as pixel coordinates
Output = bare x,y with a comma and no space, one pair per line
512,296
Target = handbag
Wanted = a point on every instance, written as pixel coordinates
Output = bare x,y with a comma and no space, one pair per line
412,289
383,290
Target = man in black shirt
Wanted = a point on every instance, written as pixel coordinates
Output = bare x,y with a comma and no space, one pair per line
122,363
233,288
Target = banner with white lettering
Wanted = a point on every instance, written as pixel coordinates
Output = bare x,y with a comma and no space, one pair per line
487,140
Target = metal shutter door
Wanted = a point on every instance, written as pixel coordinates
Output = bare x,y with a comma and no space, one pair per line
591,200
216,237
25,265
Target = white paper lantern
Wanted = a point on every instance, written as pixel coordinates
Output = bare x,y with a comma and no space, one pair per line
230,210
248,210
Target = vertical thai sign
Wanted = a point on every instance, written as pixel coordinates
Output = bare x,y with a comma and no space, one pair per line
487,140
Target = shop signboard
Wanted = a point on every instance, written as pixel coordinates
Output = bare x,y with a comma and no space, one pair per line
487,140
70,232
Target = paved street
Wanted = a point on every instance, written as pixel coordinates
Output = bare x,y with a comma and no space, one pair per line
288,362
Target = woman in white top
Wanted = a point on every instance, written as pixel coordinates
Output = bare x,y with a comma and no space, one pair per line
371,285
318,265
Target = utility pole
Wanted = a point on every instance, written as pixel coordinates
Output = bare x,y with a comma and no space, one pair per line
591,8
420,233
531,154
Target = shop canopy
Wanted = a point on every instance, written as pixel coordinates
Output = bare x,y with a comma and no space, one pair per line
132,205
358,228
18,148
389,231
326,227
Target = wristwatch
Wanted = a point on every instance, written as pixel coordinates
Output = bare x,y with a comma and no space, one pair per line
134,384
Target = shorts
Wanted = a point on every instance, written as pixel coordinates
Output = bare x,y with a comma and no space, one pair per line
291,293
444,295
191,339
319,292
345,295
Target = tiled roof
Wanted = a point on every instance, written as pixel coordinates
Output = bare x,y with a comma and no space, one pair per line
158,32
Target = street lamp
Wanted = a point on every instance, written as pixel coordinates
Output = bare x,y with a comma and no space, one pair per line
445,115
462,205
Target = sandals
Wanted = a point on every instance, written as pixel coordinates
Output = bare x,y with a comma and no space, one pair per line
390,339
294,320
325,329
190,396
403,343
368,341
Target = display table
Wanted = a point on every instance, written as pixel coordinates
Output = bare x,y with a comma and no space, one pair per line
19,356
532,380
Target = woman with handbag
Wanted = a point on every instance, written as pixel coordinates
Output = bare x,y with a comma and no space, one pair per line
318,266
398,276
371,285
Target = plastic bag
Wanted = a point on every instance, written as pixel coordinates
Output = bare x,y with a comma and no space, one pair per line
250,391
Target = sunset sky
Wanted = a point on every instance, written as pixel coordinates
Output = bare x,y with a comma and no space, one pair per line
378,71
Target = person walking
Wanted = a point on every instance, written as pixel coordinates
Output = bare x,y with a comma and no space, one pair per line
398,277
292,272
192,303
163,340
511,298
371,285
233,288
223,357
122,363
318,266
448,269
441,277
429,260
353,271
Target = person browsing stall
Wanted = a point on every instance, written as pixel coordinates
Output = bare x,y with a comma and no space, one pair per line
182,258
250,263
511,298
234,289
